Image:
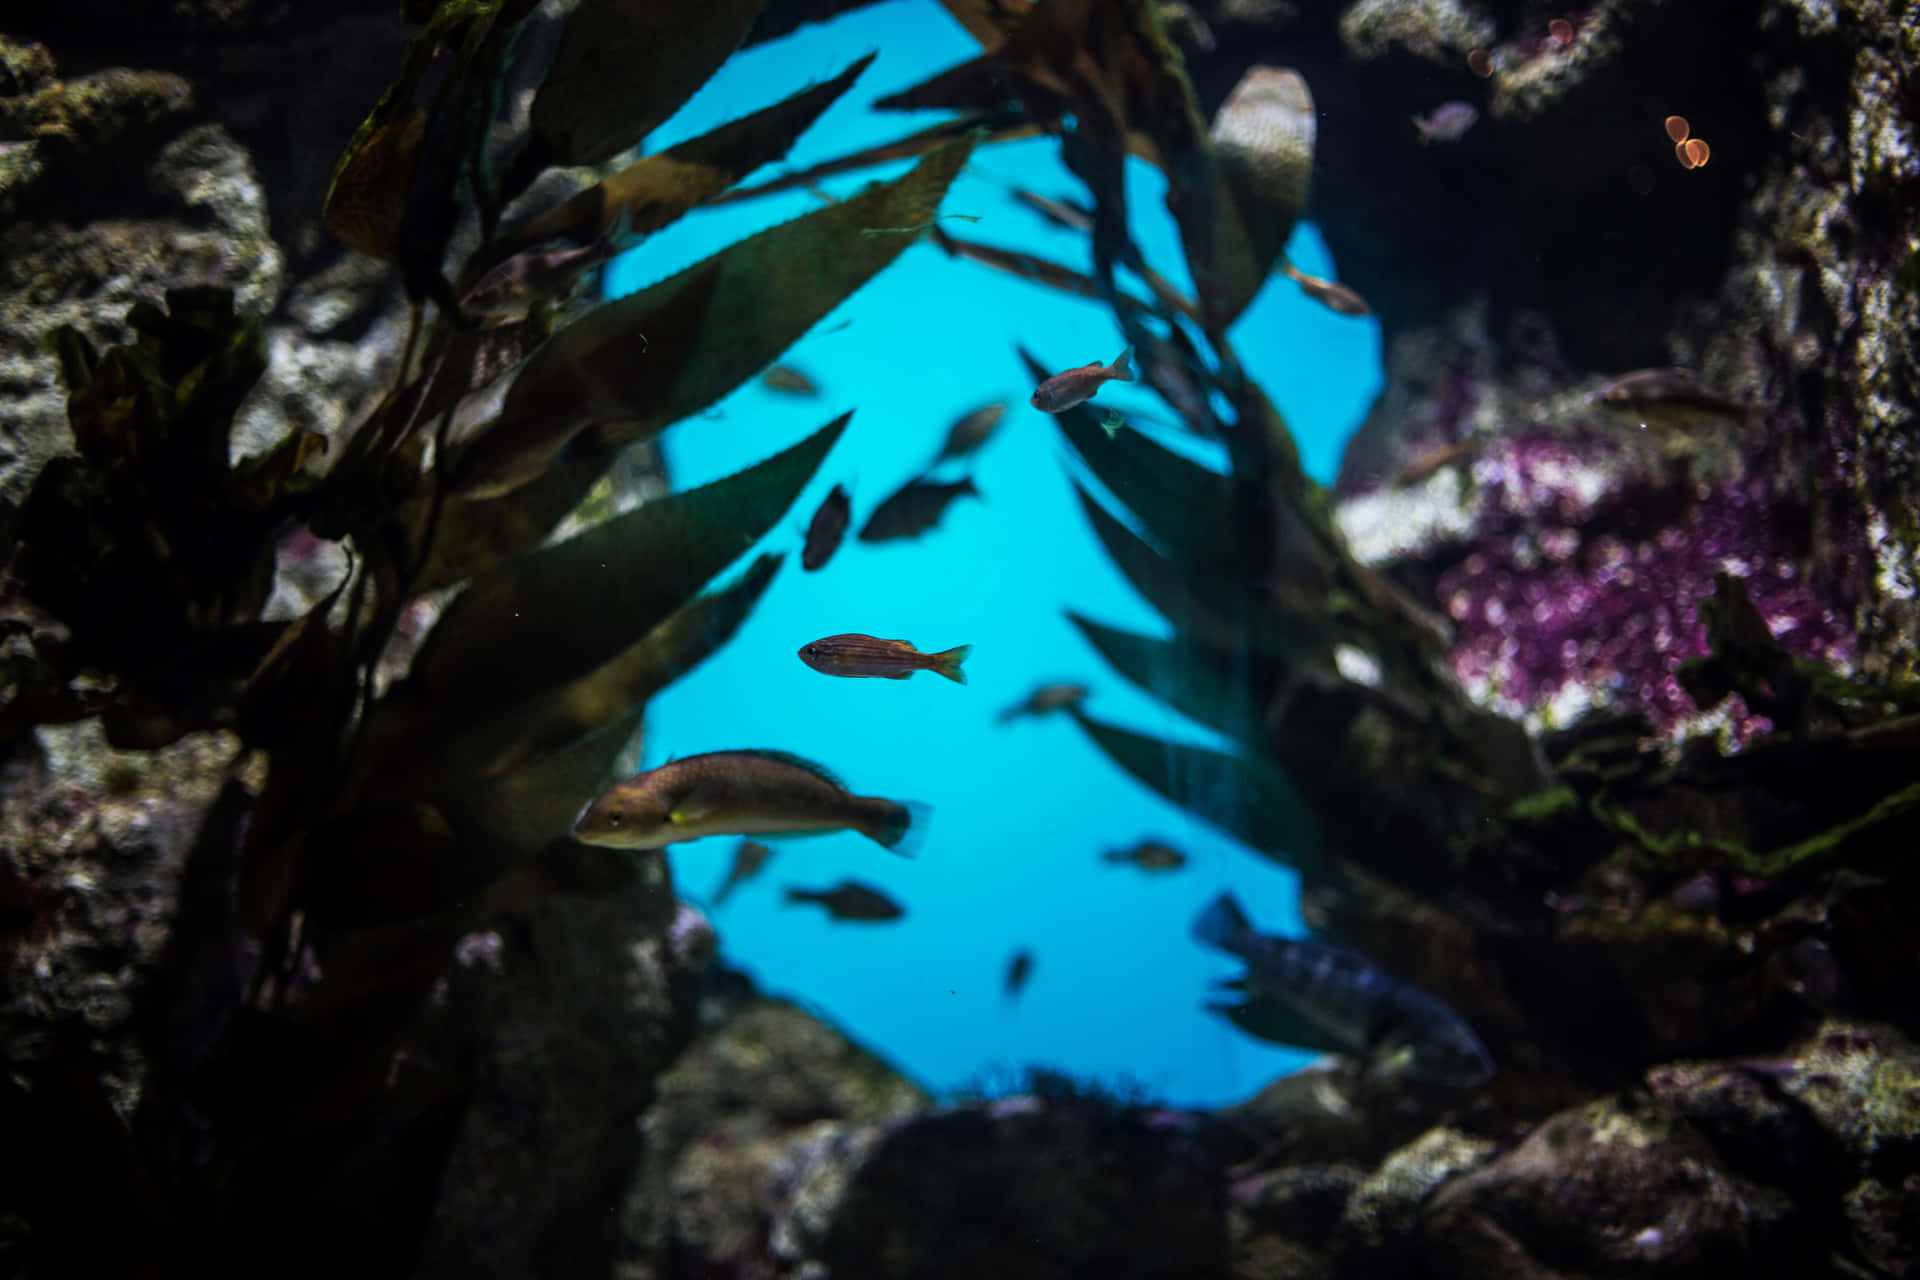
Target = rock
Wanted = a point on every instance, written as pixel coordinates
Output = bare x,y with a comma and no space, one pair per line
1385,1210
1620,1186
566,1020
93,841
749,1119
201,220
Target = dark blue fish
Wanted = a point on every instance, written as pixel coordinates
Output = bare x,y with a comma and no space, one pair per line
1315,996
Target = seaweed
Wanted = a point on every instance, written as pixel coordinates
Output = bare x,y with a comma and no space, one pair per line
394,805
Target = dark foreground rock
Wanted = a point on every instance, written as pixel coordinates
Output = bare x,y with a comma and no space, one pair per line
1805,1165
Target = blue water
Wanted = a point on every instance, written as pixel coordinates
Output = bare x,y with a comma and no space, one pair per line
1021,812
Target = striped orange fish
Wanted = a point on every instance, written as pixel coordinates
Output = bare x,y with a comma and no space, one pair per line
855,655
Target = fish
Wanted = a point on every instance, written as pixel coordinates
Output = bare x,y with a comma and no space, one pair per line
916,508
1331,294
1447,122
1048,697
748,859
786,378
1064,390
1309,994
1667,397
850,900
1148,855
855,656
829,525
1068,215
1019,972
970,432
742,793
511,286
1429,463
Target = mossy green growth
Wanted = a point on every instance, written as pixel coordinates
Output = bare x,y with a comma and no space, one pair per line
1697,848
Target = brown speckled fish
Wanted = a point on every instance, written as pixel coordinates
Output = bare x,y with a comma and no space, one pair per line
828,527
1064,390
740,793
850,900
854,655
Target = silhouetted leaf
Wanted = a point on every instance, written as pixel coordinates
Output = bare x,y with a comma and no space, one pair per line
1187,508
475,534
549,721
524,810
1245,798
624,66
661,187
1031,266
987,127
706,330
553,615
1221,688
1218,612
367,201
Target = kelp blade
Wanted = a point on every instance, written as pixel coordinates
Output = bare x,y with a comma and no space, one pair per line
551,720
1220,688
1244,798
624,66
660,188
706,330
553,615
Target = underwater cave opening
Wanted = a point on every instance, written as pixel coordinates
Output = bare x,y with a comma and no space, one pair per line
1023,811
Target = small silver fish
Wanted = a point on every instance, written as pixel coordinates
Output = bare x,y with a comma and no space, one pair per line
1065,214
829,525
850,900
1447,122
740,793
970,432
1064,390
1315,996
1331,294
786,378
748,859
1148,855
858,656
1048,697
1668,397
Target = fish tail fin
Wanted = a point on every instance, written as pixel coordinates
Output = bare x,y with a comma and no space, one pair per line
968,486
1122,367
1223,925
947,662
794,894
1010,715
902,827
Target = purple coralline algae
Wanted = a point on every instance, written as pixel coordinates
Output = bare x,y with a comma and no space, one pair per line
1581,577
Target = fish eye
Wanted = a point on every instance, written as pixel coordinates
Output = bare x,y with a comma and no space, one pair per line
614,817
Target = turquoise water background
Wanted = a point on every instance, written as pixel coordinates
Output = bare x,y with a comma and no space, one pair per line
1022,812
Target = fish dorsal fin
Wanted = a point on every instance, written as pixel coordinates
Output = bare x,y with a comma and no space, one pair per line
799,762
